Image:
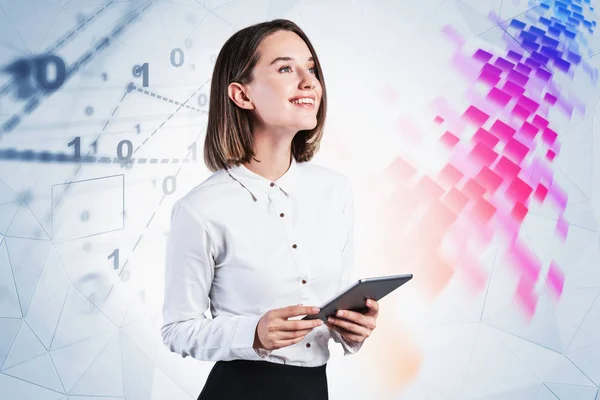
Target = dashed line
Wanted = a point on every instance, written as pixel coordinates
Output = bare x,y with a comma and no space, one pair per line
150,220
64,158
166,99
159,203
15,119
131,87
62,41
136,243
68,158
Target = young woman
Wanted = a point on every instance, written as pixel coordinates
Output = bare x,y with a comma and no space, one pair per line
267,233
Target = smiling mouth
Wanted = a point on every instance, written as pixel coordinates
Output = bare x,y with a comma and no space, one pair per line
304,105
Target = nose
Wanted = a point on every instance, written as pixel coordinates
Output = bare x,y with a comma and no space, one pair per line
308,81
310,85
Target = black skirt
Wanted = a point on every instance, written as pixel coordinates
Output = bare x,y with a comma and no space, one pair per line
264,380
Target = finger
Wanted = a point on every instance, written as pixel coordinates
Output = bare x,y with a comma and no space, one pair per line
294,311
373,307
299,324
285,335
350,326
366,320
289,342
352,337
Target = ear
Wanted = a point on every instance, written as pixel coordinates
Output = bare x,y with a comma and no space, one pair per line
237,93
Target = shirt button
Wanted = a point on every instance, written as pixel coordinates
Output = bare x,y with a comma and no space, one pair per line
304,281
307,344
294,245
281,215
272,184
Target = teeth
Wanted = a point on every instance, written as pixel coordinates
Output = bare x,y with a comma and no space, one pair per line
303,101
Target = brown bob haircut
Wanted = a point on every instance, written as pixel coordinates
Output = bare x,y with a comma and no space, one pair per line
229,139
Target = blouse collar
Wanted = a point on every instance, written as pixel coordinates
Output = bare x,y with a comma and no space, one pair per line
257,184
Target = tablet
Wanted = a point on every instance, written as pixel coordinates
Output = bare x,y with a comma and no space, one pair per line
355,296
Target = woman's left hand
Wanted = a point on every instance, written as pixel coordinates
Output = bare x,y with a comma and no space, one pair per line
354,326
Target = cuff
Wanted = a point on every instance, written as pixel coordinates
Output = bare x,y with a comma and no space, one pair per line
243,339
349,347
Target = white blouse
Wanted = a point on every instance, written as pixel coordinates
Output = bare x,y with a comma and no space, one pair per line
250,245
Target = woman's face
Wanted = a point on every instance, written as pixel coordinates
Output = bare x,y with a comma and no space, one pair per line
285,72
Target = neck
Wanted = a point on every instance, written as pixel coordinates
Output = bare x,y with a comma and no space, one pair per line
272,155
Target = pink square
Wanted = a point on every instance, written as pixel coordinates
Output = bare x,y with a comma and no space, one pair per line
550,99
488,179
525,260
401,170
529,130
562,228
449,140
485,137
449,175
539,122
483,210
519,212
528,103
540,192
518,191
555,279
526,296
549,136
476,116
499,97
473,189
502,130
426,189
455,200
521,112
506,168
513,89
489,78
483,154
516,150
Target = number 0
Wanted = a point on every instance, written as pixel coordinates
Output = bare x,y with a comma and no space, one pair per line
120,150
181,57
166,190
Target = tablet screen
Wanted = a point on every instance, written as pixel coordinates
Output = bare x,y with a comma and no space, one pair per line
354,297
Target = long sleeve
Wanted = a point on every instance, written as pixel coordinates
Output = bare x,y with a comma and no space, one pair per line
347,264
189,272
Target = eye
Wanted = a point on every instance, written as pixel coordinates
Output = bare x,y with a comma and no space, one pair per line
288,67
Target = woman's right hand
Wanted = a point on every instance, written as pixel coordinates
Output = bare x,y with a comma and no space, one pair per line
275,331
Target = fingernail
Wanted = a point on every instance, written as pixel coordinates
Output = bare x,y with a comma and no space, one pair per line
330,319
316,309
340,313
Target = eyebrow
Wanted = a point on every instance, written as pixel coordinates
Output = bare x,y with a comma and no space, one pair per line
287,59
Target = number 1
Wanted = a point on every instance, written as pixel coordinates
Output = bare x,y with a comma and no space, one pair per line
76,143
115,254
144,69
